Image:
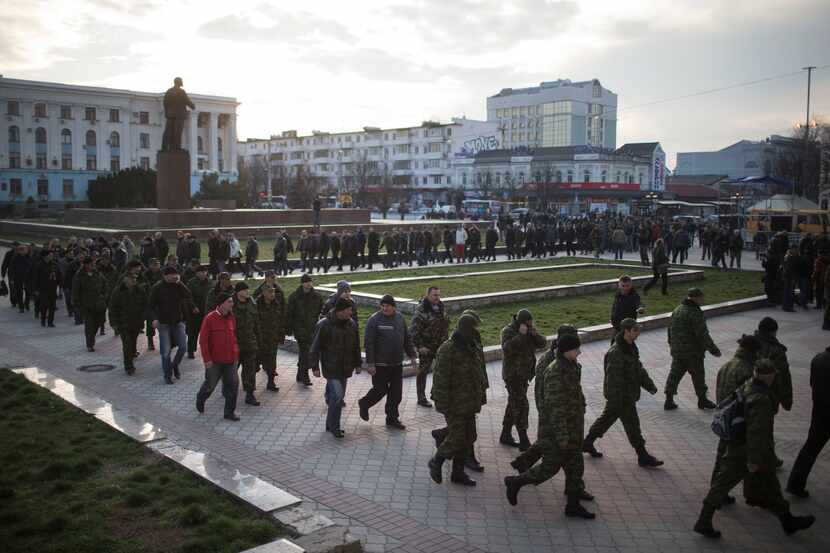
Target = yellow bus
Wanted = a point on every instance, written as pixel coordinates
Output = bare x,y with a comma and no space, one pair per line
814,221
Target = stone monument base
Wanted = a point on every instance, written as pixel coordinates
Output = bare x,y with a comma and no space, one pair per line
173,180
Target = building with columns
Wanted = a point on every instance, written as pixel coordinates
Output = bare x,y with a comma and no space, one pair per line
55,138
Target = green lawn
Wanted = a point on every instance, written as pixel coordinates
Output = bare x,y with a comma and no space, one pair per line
72,484
593,309
484,284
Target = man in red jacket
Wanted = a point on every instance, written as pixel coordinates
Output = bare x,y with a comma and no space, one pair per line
220,352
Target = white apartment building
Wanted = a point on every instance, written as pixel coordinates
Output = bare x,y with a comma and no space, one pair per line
55,138
411,158
556,113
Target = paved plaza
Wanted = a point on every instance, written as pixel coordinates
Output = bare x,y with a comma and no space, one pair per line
375,481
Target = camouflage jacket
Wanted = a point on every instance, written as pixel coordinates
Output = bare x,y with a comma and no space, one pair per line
760,414
458,387
624,373
734,373
271,323
200,289
519,353
247,325
303,313
564,403
539,385
688,333
429,328
127,307
89,291
782,388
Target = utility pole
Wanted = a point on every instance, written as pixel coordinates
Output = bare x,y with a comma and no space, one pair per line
809,70
268,172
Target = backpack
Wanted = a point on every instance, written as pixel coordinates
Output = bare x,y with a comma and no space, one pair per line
728,422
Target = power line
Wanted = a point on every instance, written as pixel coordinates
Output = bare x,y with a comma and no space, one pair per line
719,89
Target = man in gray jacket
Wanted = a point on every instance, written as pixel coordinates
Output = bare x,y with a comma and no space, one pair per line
386,340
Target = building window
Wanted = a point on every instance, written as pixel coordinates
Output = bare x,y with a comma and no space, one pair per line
435,148
200,145
145,163
587,176
43,187
91,162
597,91
91,139
14,135
40,160
201,164
14,160
219,147
144,140
115,140
570,176
89,114
618,177
144,117
114,116
66,162
68,188
604,176
40,135
40,110
66,136
12,108
15,187
115,164
66,112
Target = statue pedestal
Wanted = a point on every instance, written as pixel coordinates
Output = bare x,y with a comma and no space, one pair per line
173,180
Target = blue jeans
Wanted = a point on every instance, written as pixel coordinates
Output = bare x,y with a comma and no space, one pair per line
226,372
171,336
335,392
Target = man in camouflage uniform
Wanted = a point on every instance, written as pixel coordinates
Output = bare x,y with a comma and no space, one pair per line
561,422
89,296
771,348
271,322
732,376
624,377
247,336
752,459
199,287
304,305
519,342
429,329
527,459
458,390
128,304
689,341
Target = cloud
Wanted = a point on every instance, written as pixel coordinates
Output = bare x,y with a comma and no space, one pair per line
267,24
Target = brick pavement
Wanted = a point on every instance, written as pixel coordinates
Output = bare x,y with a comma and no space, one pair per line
375,480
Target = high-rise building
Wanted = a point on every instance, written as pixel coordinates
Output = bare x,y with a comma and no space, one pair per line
556,113
55,138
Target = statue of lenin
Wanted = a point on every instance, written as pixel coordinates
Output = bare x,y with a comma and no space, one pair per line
176,102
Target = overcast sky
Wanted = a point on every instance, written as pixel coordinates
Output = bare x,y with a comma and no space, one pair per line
336,66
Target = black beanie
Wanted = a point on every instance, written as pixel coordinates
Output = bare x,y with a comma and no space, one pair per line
568,342
343,303
768,324
523,316
222,297
241,285
749,342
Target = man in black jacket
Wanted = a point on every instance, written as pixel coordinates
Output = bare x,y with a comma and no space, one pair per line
819,425
47,281
170,304
20,266
627,304
373,242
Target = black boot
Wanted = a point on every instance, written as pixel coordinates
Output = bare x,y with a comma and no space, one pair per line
669,405
458,475
439,435
435,465
271,386
588,447
506,437
792,524
645,459
524,441
704,526
250,399
575,509
705,403
421,386
513,484
472,463
582,495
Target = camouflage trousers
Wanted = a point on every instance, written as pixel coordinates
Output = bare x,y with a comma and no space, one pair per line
517,409
268,361
440,434
461,435
424,368
625,412
247,360
761,488
553,458
682,365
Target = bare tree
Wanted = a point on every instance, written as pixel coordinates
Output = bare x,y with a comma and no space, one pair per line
806,165
363,172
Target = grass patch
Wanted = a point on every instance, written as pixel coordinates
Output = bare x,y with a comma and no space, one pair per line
485,284
112,495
